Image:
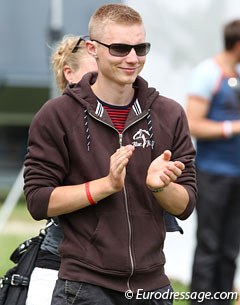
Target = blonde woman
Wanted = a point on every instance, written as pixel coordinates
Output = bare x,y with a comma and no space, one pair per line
70,61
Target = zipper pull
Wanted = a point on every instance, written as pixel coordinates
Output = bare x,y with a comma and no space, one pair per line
120,139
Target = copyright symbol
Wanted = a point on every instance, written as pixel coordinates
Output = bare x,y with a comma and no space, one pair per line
129,294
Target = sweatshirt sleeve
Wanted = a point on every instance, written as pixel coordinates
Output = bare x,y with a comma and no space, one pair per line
46,161
184,151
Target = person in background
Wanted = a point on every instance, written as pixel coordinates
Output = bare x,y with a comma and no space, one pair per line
213,111
108,158
70,61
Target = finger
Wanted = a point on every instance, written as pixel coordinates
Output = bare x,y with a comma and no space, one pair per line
119,155
125,151
120,164
179,165
120,168
172,169
120,158
165,179
171,176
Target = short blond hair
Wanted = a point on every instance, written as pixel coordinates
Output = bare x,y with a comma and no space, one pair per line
62,55
119,13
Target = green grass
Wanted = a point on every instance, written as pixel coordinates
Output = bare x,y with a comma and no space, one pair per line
8,243
179,287
20,227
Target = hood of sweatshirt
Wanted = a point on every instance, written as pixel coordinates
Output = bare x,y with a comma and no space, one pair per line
83,93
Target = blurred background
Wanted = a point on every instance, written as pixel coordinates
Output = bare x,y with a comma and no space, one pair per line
182,33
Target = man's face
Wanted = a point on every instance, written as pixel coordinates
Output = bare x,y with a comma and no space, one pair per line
120,70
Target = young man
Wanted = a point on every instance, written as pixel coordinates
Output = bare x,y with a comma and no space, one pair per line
108,157
213,111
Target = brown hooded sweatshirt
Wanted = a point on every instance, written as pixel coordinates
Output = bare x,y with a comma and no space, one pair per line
117,243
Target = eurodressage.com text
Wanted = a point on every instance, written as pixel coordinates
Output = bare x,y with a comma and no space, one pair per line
184,295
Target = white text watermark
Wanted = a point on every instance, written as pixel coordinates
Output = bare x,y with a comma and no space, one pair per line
183,295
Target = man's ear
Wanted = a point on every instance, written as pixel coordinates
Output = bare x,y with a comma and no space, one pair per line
91,48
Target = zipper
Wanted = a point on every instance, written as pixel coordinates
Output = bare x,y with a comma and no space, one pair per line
125,197
139,119
130,239
129,225
120,139
120,142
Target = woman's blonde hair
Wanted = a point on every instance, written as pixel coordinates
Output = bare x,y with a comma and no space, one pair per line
63,55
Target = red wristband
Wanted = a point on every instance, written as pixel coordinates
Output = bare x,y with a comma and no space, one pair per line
89,196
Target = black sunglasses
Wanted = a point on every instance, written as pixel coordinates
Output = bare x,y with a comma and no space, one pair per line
122,49
77,45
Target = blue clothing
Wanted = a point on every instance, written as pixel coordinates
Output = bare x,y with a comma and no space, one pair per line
218,173
52,239
220,156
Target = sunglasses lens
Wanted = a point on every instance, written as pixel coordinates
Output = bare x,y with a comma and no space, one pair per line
142,49
119,49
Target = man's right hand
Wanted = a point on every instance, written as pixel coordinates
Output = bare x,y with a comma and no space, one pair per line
118,163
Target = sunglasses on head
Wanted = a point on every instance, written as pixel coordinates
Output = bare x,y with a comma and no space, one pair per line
77,45
122,49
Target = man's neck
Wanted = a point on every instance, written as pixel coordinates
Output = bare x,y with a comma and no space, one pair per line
227,61
113,94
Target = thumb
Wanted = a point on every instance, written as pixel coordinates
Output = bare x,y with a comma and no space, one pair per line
167,155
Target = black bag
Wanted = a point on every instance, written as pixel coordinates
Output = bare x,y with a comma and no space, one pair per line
14,284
